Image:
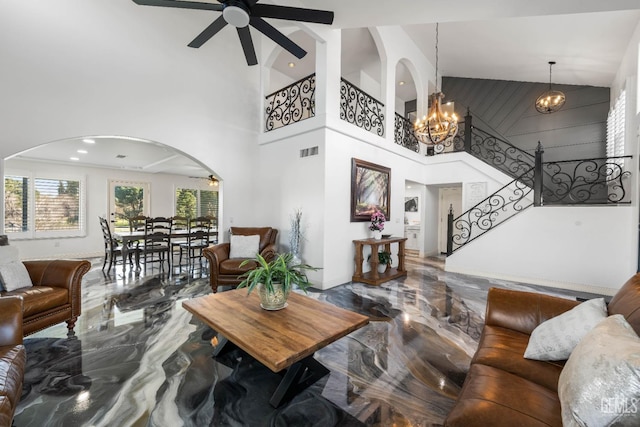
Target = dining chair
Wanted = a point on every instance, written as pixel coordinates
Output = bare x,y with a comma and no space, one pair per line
156,244
137,222
180,225
112,247
197,240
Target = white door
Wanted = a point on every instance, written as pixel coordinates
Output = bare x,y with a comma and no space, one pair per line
449,197
127,199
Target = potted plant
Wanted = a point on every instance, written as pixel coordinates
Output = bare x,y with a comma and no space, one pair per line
384,259
274,279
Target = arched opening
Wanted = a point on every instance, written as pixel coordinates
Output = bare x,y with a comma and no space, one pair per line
360,61
58,190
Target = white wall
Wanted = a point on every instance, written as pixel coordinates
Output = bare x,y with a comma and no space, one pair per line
584,248
92,68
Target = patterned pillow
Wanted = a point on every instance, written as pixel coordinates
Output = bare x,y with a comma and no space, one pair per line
556,338
14,276
600,384
244,246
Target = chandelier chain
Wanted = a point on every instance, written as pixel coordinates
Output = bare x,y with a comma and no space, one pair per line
436,57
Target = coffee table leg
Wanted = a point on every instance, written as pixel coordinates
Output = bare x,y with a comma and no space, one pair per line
299,376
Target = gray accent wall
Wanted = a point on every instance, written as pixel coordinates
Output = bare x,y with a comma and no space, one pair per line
506,109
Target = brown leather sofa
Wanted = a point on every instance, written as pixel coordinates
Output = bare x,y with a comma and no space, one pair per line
55,294
13,358
224,271
503,388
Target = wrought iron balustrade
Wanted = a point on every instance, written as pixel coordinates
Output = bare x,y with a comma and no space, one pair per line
505,203
500,154
589,181
291,104
404,135
361,109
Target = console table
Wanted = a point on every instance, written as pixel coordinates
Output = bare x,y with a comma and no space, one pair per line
373,277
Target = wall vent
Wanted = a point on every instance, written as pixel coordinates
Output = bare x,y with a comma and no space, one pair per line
306,152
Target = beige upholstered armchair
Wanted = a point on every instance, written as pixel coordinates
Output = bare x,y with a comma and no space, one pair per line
225,258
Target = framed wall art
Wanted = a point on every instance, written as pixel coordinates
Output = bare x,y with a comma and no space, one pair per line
370,190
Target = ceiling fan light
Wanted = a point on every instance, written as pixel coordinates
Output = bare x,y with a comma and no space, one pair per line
236,16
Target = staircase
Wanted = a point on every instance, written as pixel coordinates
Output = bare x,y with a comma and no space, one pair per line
600,181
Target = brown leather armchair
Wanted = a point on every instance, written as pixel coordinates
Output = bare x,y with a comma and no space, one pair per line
13,357
55,295
224,271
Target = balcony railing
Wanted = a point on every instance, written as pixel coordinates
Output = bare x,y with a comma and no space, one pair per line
361,109
291,104
404,134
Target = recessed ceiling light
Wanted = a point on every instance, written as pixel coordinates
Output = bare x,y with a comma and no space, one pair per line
82,151
89,141
291,64
74,158
401,82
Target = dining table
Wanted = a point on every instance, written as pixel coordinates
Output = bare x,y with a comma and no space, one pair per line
129,237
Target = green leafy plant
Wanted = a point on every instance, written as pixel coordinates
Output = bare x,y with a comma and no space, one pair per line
384,257
278,270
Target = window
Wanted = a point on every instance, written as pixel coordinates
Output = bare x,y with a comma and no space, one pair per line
40,207
192,203
615,129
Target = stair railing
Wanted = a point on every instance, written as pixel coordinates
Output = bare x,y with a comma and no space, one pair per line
505,203
361,109
291,104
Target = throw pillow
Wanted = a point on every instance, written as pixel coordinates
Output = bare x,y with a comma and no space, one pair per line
9,254
244,246
600,383
556,338
14,276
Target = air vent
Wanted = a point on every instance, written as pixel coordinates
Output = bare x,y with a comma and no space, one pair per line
120,156
306,152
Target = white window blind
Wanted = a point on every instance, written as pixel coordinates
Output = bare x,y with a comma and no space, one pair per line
43,207
16,204
615,128
57,204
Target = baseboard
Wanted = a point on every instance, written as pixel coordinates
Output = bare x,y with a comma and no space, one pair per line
579,287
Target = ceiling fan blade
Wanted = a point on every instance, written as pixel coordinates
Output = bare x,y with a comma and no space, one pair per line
247,45
208,32
268,30
292,13
180,4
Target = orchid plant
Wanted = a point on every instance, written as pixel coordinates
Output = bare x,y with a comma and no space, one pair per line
377,221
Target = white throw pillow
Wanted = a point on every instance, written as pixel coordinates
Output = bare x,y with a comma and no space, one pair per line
14,276
244,246
556,338
600,383
9,254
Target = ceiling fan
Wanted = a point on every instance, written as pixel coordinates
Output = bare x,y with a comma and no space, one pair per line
241,14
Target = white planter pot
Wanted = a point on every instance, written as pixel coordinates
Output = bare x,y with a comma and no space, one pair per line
382,268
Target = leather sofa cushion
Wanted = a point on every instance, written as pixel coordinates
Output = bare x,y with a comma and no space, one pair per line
493,397
232,266
39,299
12,363
504,349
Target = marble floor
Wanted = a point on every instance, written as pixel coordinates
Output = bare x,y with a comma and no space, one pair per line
139,359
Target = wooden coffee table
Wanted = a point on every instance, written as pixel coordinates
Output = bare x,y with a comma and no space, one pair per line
283,339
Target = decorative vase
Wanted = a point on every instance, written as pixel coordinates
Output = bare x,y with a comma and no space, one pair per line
382,268
377,234
295,259
275,300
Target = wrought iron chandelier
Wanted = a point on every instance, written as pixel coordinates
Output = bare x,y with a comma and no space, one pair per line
437,126
551,100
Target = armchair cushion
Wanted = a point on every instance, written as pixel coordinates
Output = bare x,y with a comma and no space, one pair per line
14,275
244,246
